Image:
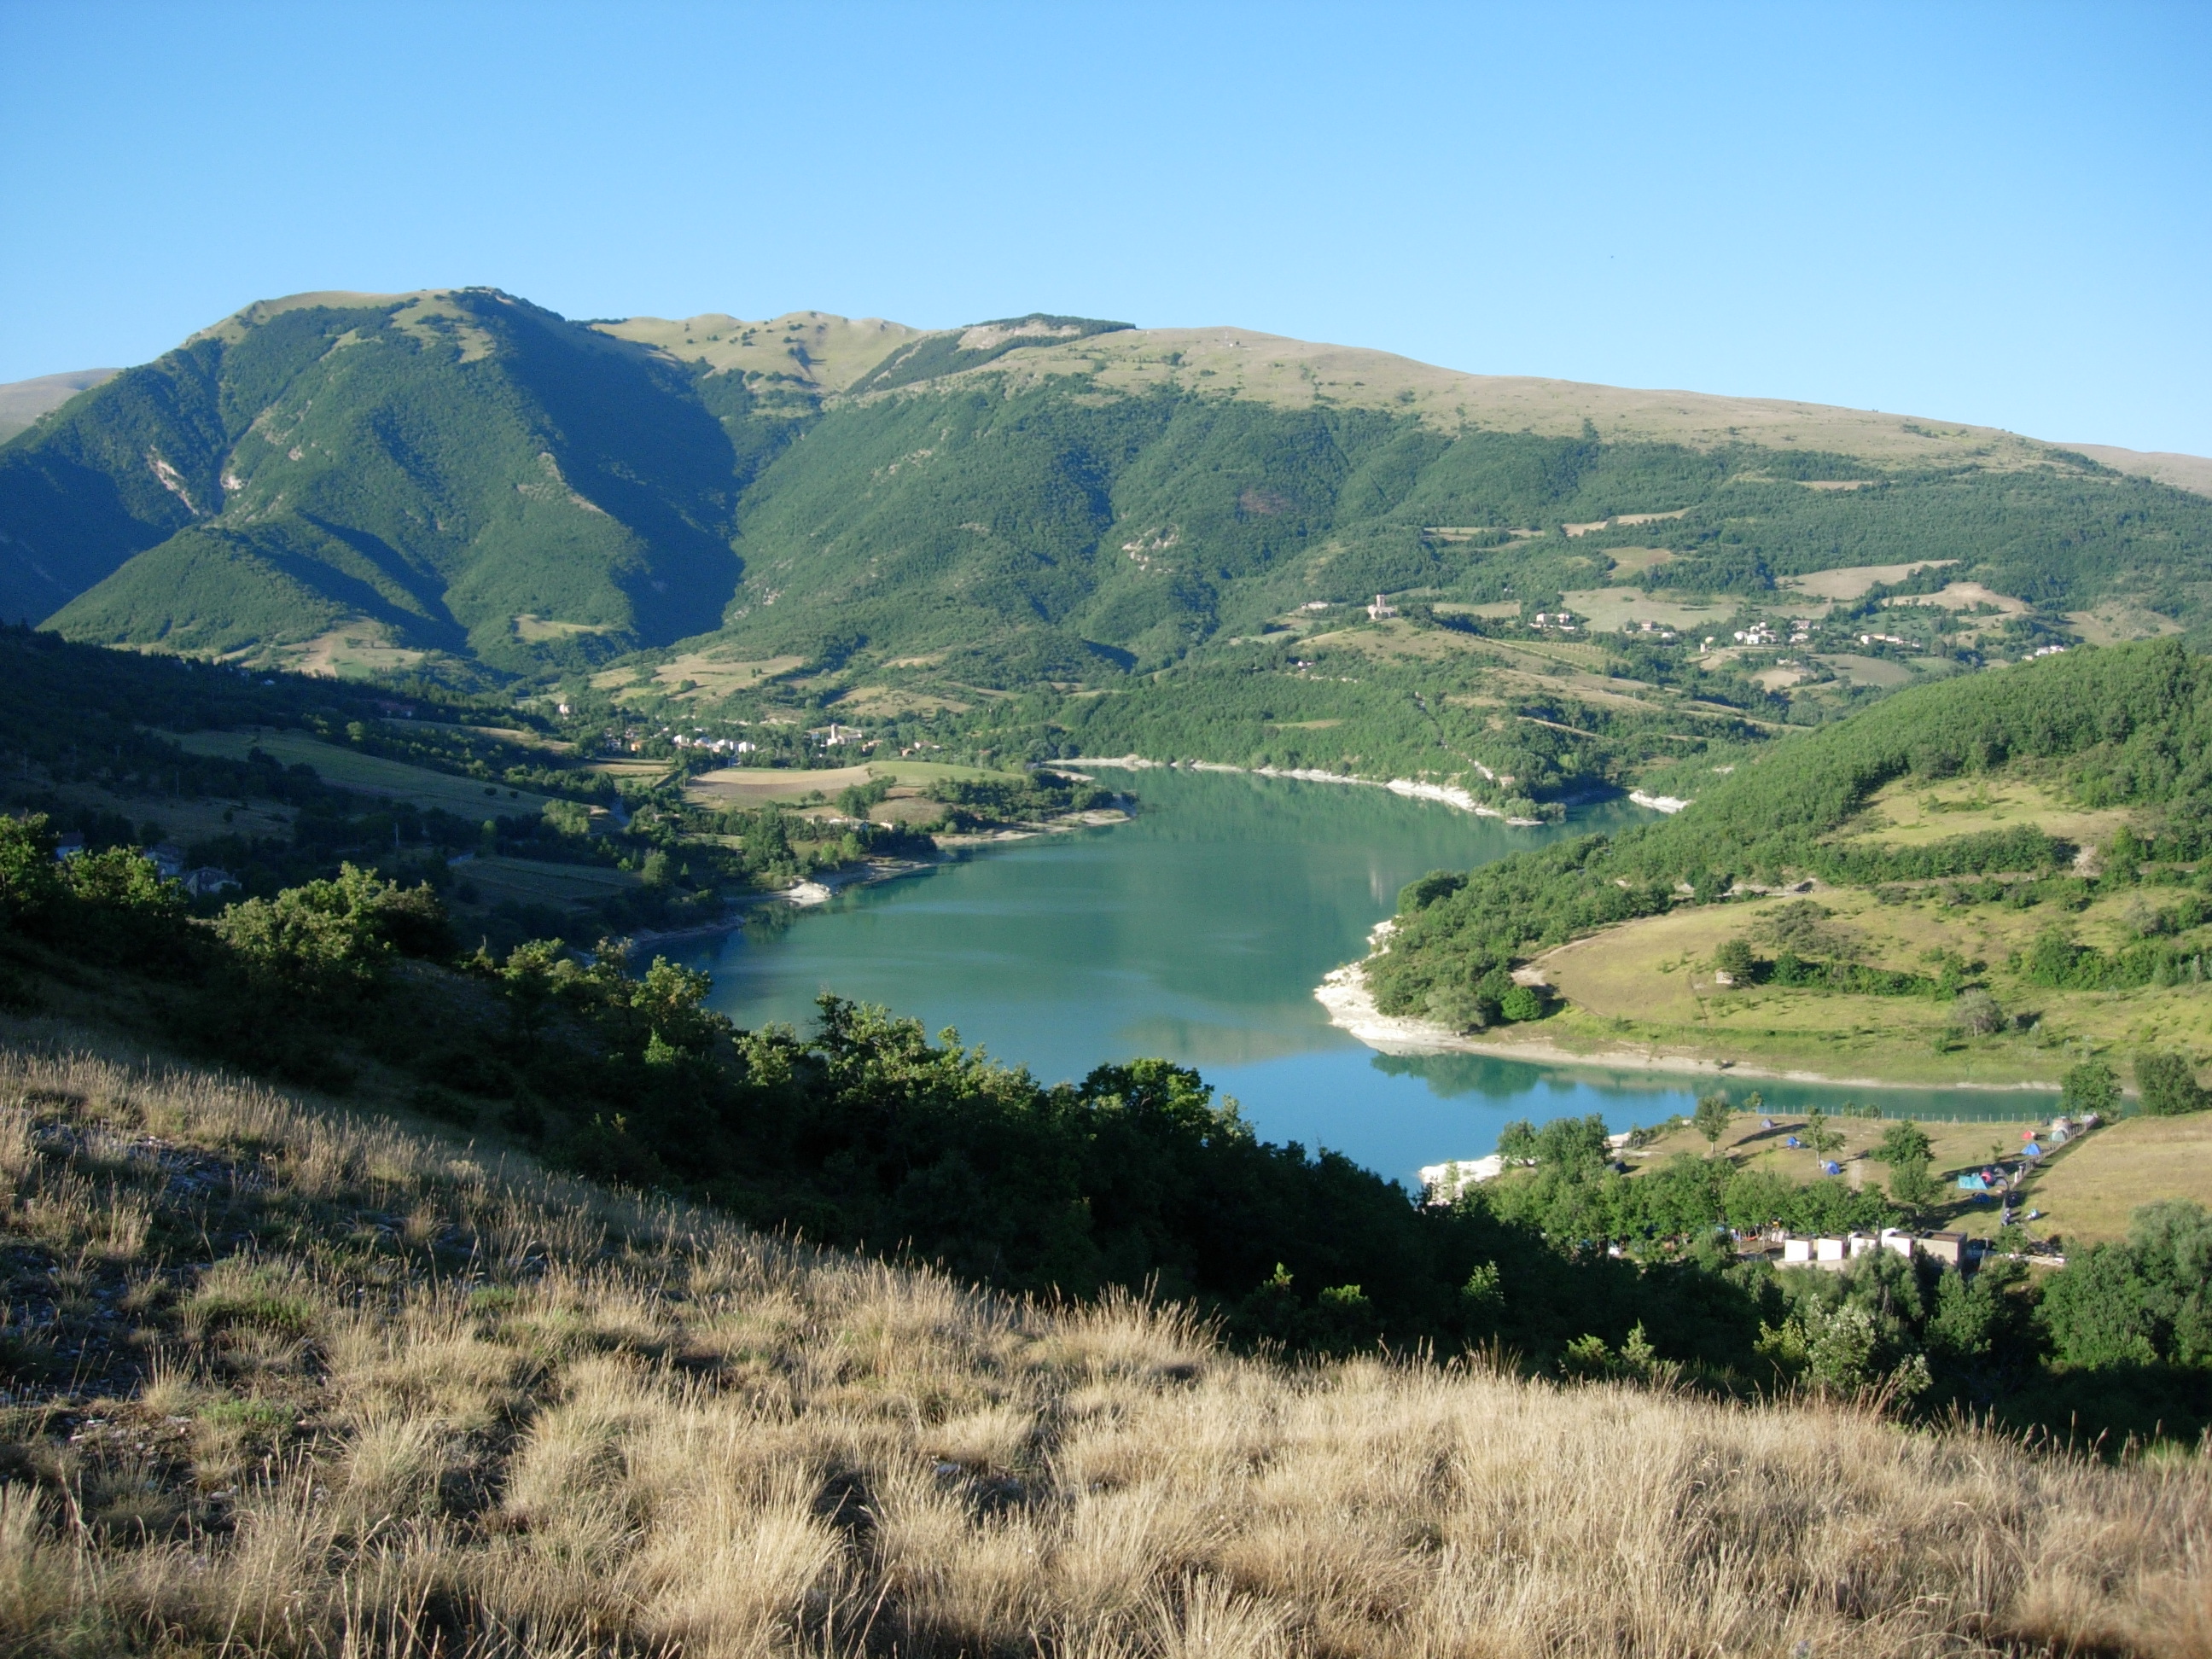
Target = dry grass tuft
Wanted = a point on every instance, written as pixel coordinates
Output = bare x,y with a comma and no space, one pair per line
288,1383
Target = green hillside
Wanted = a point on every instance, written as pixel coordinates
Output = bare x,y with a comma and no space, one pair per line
461,473
2006,867
460,479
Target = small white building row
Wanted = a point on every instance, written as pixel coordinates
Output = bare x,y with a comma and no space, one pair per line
1950,1249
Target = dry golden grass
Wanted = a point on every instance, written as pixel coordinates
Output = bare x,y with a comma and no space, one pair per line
374,1397
2092,1187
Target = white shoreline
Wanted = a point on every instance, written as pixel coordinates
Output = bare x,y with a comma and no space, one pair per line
1412,789
1352,1008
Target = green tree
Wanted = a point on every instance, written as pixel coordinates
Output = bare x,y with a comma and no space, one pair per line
2168,1085
1734,959
1712,1117
1904,1142
1976,1013
2091,1086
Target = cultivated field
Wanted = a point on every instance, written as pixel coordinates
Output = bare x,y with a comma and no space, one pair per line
1618,610
732,788
359,652
2119,622
1850,582
890,702
315,1387
1879,672
1908,813
704,674
181,820
529,881
371,775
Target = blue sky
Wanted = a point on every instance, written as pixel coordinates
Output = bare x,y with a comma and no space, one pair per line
1997,213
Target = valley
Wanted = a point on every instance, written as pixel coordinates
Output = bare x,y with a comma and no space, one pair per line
1297,900
514,727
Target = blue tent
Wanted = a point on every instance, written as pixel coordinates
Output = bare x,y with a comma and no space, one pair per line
1972,1181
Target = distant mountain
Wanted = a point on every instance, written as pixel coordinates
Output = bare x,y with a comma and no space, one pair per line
2192,472
21,401
462,475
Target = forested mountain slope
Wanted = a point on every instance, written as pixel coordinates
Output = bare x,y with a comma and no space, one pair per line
461,472
462,476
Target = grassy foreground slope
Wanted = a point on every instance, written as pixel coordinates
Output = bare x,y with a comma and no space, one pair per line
2024,844
324,1388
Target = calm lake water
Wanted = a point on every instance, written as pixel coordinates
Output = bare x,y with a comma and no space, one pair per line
1197,933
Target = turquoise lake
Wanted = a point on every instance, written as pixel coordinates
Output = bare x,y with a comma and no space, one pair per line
1197,933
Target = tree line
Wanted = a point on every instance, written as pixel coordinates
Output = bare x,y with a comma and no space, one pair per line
867,1133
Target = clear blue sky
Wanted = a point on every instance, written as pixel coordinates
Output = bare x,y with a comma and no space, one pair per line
1997,214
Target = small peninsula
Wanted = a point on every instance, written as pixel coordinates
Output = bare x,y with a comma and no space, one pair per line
1984,881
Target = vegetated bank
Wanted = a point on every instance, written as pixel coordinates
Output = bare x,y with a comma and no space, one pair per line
523,827
864,1132
1788,918
288,1383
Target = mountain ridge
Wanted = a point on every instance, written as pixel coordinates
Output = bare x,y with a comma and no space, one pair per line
848,348
459,476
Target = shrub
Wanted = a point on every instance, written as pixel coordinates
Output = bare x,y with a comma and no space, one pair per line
1976,1013
330,937
2091,1087
1523,1002
1904,1142
2168,1085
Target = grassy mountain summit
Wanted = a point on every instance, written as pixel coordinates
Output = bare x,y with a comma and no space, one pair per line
22,401
349,481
